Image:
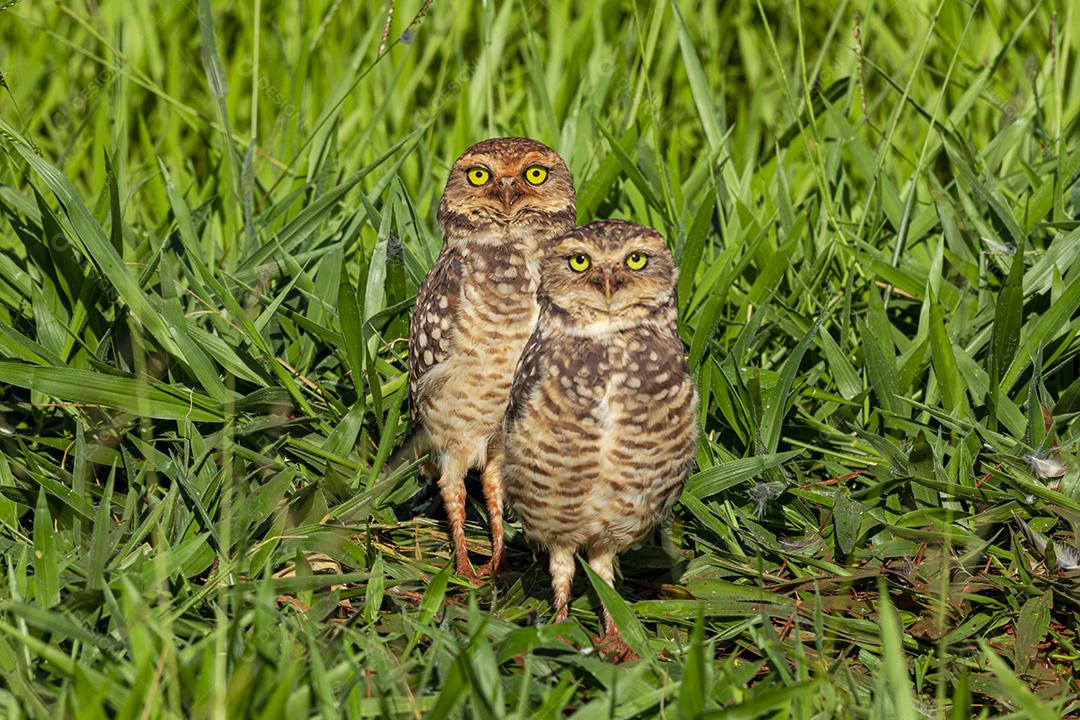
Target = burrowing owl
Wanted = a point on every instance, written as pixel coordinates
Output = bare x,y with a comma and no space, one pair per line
601,426
505,200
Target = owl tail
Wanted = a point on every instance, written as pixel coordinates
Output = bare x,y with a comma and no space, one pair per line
415,447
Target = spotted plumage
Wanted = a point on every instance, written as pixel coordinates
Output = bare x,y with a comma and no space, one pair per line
600,429
505,200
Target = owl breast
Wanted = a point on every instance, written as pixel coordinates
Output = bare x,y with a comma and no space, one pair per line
463,397
601,448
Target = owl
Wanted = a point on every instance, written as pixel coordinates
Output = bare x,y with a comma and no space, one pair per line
505,200
600,429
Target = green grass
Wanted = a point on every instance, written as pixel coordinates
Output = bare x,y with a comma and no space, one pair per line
214,223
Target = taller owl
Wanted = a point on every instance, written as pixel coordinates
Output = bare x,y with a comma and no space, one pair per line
505,200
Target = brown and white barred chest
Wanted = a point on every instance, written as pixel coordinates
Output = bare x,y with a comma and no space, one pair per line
463,398
602,446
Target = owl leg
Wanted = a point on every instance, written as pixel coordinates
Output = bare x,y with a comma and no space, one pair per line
493,494
452,487
561,567
610,643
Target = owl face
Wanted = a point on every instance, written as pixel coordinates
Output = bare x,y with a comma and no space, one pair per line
610,274
507,181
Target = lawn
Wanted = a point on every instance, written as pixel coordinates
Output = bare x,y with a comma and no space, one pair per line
214,220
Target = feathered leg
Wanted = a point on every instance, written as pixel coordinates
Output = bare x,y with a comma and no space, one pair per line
610,644
452,487
493,494
561,567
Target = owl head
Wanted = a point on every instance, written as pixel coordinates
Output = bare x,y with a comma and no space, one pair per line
502,183
609,275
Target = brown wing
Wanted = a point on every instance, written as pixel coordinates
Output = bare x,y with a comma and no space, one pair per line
434,317
526,376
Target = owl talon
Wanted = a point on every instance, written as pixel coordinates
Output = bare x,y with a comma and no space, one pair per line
613,648
480,575
472,576
464,569
489,570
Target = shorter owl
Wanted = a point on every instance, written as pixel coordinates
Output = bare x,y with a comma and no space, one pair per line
601,426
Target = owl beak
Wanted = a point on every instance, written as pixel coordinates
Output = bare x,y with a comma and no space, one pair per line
508,191
604,279
608,289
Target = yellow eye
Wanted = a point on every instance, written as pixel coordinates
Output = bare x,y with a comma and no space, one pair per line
478,176
580,263
637,261
536,174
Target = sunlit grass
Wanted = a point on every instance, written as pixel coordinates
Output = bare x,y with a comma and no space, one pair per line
215,222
